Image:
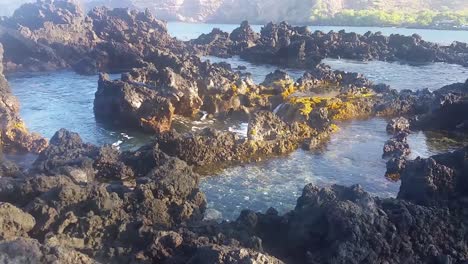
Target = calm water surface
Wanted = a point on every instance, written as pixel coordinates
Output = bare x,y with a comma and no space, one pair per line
64,99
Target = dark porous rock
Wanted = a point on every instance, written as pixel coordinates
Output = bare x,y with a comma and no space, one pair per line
399,124
109,165
397,146
435,180
284,45
319,119
278,81
67,154
346,224
244,33
48,35
222,44
25,250
405,102
394,168
322,78
103,216
14,222
266,126
133,105
224,254
298,47
86,66
216,43
447,111
209,147
149,97
243,37
9,168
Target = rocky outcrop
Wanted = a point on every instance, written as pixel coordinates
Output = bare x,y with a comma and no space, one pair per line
298,47
447,111
14,135
24,250
149,97
46,35
436,180
397,146
209,149
222,44
14,222
132,105
49,35
157,216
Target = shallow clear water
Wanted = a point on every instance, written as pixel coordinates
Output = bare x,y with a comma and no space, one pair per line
352,156
54,100
187,31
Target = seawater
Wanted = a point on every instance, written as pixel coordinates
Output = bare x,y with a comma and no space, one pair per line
63,99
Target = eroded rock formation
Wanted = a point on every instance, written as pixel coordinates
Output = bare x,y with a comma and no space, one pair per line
299,47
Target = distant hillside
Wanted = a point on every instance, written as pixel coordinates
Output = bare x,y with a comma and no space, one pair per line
263,11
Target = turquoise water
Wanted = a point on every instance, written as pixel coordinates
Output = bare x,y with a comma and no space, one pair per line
187,31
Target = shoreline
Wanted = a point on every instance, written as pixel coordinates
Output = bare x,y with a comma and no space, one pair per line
308,24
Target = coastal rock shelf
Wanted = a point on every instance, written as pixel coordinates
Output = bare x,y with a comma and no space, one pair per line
175,144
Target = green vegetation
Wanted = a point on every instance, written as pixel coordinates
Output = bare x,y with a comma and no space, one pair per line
374,17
